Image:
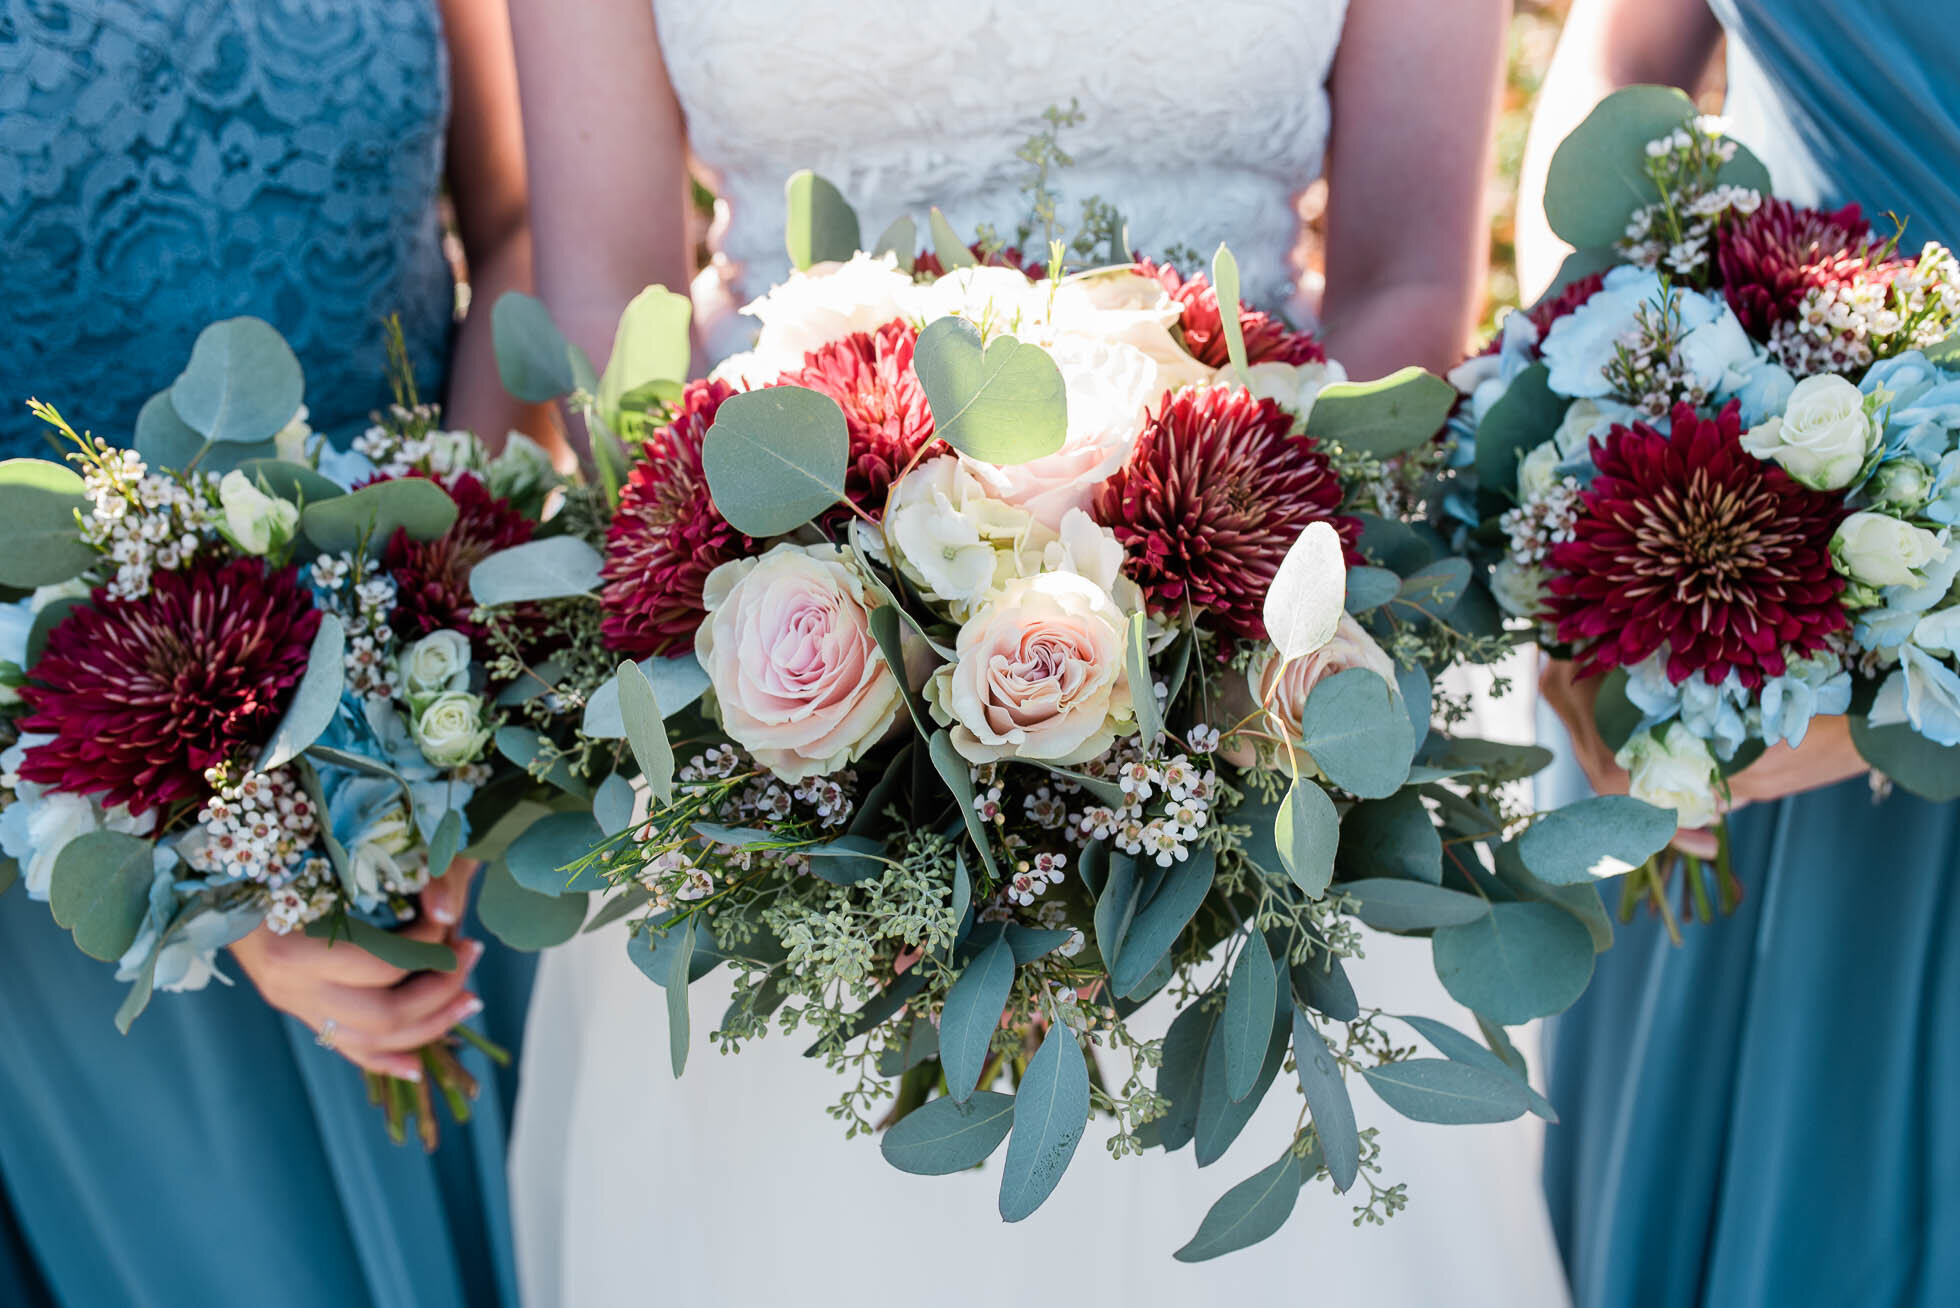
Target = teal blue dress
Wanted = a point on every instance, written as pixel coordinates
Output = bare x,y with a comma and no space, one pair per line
1770,1115
165,163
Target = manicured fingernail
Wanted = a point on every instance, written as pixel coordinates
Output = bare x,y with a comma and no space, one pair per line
410,1073
444,914
469,1008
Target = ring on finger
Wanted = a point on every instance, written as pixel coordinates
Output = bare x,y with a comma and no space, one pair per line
328,1030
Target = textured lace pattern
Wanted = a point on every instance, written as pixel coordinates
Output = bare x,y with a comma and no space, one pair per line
165,163
1202,122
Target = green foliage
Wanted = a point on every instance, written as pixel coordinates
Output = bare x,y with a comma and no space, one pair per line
1251,999
534,359
1391,904
1600,836
901,240
1303,605
1357,733
539,858
1454,1094
395,950
646,731
42,541
972,1014
314,701
1153,925
1327,1099
1248,1212
948,1135
822,227
1050,1113
1225,283
1515,962
100,891
1393,837
1929,770
1460,1048
554,567
1523,418
524,919
1307,834
242,383
1385,417
365,519
775,458
1000,401
946,243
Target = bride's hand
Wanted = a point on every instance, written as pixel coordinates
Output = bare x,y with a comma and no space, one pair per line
380,1014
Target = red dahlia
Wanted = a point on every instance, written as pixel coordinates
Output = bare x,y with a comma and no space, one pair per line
143,695
1267,339
870,376
1772,256
432,578
1215,493
1690,542
667,536
1553,307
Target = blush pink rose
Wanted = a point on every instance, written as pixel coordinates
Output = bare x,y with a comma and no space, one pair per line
1037,674
1283,687
788,647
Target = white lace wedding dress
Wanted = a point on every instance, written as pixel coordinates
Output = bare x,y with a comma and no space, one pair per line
731,1186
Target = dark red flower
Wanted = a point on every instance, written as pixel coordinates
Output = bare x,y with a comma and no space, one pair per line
1214,494
1553,307
142,696
1771,257
667,536
1267,339
926,262
1690,542
432,578
870,376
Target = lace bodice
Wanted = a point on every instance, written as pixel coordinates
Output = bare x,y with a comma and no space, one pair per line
165,163
1202,122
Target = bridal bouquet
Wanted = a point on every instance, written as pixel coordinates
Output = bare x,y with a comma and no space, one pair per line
1000,647
1721,470
241,692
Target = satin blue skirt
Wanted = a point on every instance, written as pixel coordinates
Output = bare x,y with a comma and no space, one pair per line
216,1156
1770,1114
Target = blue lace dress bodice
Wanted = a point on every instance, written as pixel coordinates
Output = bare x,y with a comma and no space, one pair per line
167,163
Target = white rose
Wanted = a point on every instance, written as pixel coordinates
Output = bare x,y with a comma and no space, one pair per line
520,470
438,662
378,857
254,521
953,540
290,441
1125,307
995,299
820,304
1538,471
1109,389
1518,588
1878,550
1823,437
1292,386
1675,772
450,730
1903,483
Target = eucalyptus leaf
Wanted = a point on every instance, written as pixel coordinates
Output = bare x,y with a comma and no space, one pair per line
534,359
650,345
677,983
1220,1117
775,458
166,440
539,858
551,568
242,384
293,482
1143,692
1515,962
1180,1073
1393,837
884,623
1614,713
1357,733
612,804
315,700
847,860
972,1015
140,991
372,514
945,1135
1225,285
1116,908
1303,605
1248,1212
946,243
1050,1113
1307,834
1154,926
1322,985
1598,837
1000,401
446,843
822,226
1924,767
1460,1048
954,771
1389,416
646,731
1392,904
1521,419
1370,588
40,539
1454,1094
520,745
652,949
1429,594
901,240
1030,943
100,890
1251,998
677,682
394,949
1327,1099
525,920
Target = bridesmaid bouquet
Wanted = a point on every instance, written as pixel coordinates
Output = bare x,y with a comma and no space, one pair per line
247,686
999,647
1719,466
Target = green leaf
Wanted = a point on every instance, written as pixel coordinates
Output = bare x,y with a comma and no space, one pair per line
374,513
822,226
677,683
612,804
650,345
552,568
646,731
391,948
1521,419
1370,588
775,458
1389,416
41,543
1327,1099
1515,962
534,359
1220,1117
1109,792
677,983
972,1015
447,842
1303,605
100,890
1180,1074
958,777
1143,690
242,383
1392,904
1598,837
1430,594
1307,834
1454,1094
847,860
1030,943
294,482
315,700
652,950
52,615
1225,283
944,1135
1357,733
520,745
140,991
1001,402
1322,984
1116,908
1460,1048
900,239
884,622
1616,715
539,858
1393,837
1929,770
1496,759
1251,998
946,243
1050,1113
1248,1212
523,919
1155,926
164,439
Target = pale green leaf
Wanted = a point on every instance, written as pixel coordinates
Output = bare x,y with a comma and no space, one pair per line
1001,402
822,227
775,458
242,383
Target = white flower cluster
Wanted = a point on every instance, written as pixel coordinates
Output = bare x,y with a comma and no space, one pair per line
1676,233
364,604
1166,803
410,442
144,522
1543,520
1845,326
262,828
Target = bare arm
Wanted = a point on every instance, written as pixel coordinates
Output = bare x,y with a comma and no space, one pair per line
1414,91
1605,45
486,179
608,151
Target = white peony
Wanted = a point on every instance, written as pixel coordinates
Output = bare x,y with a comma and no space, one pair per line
1823,436
1673,771
1518,588
823,303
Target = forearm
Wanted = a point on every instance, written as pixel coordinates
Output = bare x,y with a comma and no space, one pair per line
477,400
1375,329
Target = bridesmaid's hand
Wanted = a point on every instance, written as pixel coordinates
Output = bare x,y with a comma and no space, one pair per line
381,1015
445,898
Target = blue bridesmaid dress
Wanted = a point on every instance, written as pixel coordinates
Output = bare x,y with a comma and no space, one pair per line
1770,1115
165,163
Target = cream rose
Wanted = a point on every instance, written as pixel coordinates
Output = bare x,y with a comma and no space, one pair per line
953,540
1037,674
438,662
1109,387
1283,687
825,302
1878,550
1519,588
796,673
1124,307
1672,771
996,300
1293,386
450,731
1823,436
254,521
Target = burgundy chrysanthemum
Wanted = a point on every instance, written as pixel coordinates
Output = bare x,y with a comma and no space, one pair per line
1214,494
870,376
666,536
432,578
1267,339
1771,257
1689,541
143,695
927,263
1553,307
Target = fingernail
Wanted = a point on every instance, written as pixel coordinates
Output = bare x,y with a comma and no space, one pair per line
469,1008
410,1073
444,914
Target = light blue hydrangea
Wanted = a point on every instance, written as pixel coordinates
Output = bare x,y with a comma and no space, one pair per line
1811,686
1924,692
184,938
1715,713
